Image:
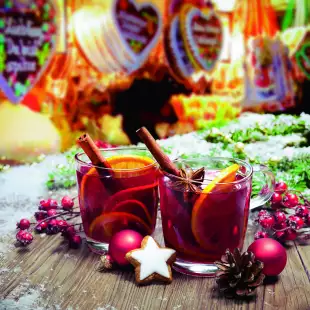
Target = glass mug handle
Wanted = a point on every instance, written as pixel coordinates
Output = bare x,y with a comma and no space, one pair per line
268,189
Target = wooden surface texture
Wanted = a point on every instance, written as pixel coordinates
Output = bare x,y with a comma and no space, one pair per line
69,279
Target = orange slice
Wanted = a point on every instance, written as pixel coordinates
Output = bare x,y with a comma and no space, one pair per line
134,207
129,165
92,190
95,194
92,196
142,193
129,161
105,226
206,215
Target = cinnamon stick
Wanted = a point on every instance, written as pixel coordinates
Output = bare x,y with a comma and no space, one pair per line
163,160
92,151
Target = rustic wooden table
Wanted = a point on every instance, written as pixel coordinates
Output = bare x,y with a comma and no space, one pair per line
48,275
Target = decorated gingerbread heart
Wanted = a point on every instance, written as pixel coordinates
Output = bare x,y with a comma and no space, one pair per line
303,57
174,6
27,42
203,34
140,26
176,54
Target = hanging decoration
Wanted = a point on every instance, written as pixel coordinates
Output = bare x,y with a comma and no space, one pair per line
193,40
269,81
251,19
139,26
62,20
202,31
303,56
117,37
295,25
27,43
179,62
297,14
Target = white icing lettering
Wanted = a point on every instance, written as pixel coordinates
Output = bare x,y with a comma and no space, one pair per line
20,48
206,29
21,66
136,37
23,39
131,18
206,41
131,27
12,49
21,30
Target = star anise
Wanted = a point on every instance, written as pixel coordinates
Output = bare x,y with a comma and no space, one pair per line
190,180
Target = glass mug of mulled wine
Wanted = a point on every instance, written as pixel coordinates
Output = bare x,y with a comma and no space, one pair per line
203,218
122,196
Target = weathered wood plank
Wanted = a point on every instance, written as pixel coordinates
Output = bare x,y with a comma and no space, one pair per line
303,250
69,278
291,290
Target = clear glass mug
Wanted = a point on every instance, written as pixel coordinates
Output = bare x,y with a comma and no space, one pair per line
201,226
125,197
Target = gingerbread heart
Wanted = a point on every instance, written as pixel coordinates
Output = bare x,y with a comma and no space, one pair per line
176,54
203,34
27,42
303,58
140,26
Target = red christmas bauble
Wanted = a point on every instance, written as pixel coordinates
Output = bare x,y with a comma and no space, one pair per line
271,253
123,242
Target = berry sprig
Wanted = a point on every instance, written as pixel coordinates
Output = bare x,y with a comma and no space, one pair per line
51,219
289,218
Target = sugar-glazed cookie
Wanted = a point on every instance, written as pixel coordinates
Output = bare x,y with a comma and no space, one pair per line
152,262
139,26
176,54
203,36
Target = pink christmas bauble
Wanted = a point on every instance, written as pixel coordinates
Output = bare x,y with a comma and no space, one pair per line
271,253
123,242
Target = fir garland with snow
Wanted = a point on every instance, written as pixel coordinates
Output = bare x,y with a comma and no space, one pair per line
280,142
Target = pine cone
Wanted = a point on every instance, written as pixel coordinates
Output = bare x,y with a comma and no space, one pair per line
239,274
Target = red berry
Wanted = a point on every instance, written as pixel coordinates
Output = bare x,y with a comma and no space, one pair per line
48,204
52,227
53,203
45,204
276,199
75,241
260,235
290,234
290,200
23,224
296,222
19,235
40,215
51,212
263,213
280,187
302,211
62,225
52,222
104,145
280,235
68,232
267,221
67,203
24,238
41,227
280,217
280,226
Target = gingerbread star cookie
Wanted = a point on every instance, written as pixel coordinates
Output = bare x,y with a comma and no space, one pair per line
152,262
